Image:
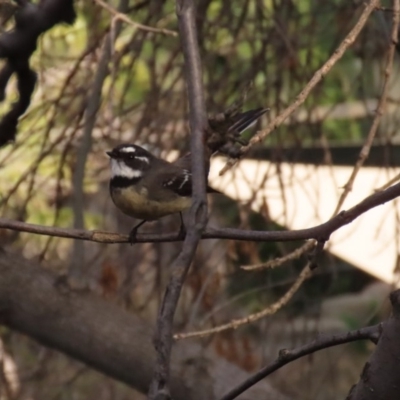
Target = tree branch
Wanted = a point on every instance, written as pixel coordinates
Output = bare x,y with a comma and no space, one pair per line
277,262
104,336
85,143
123,17
185,10
320,232
380,377
17,46
380,110
97,332
317,77
269,310
287,356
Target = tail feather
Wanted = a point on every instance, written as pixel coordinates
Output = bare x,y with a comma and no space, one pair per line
245,120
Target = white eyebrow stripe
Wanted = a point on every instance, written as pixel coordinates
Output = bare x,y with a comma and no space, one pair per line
145,159
122,170
129,149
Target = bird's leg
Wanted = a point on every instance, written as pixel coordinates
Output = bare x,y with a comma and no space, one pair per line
133,232
182,229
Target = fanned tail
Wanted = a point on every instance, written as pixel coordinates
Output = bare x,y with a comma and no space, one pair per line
245,120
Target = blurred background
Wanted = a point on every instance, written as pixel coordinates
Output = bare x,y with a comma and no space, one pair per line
56,174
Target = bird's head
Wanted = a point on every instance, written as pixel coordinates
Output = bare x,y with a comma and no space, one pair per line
129,161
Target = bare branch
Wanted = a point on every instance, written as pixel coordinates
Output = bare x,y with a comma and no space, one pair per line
380,376
92,107
317,77
320,232
102,334
287,356
270,310
186,13
277,262
378,114
123,17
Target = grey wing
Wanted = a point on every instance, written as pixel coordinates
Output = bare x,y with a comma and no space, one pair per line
185,162
180,183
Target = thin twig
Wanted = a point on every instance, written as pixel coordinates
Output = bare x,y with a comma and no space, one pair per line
379,111
129,21
186,12
317,77
287,356
277,262
270,310
389,183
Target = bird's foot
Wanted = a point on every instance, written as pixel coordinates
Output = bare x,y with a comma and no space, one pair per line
182,229
132,236
133,232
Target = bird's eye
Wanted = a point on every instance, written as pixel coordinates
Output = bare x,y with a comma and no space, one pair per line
131,156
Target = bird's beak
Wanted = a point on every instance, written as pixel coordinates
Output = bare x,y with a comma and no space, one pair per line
110,154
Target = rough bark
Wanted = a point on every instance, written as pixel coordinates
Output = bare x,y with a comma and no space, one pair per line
380,378
104,336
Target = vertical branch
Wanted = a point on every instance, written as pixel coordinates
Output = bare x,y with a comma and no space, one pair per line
93,104
185,10
197,110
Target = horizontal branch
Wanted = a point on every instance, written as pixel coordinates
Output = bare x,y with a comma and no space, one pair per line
81,325
320,232
287,356
104,336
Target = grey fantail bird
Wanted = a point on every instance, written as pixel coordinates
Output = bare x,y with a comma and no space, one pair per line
146,187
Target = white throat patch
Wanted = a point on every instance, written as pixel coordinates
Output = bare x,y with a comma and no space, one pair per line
119,168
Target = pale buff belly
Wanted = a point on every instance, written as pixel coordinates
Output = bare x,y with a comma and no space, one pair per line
138,206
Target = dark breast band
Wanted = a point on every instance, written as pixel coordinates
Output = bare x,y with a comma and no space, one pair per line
124,182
